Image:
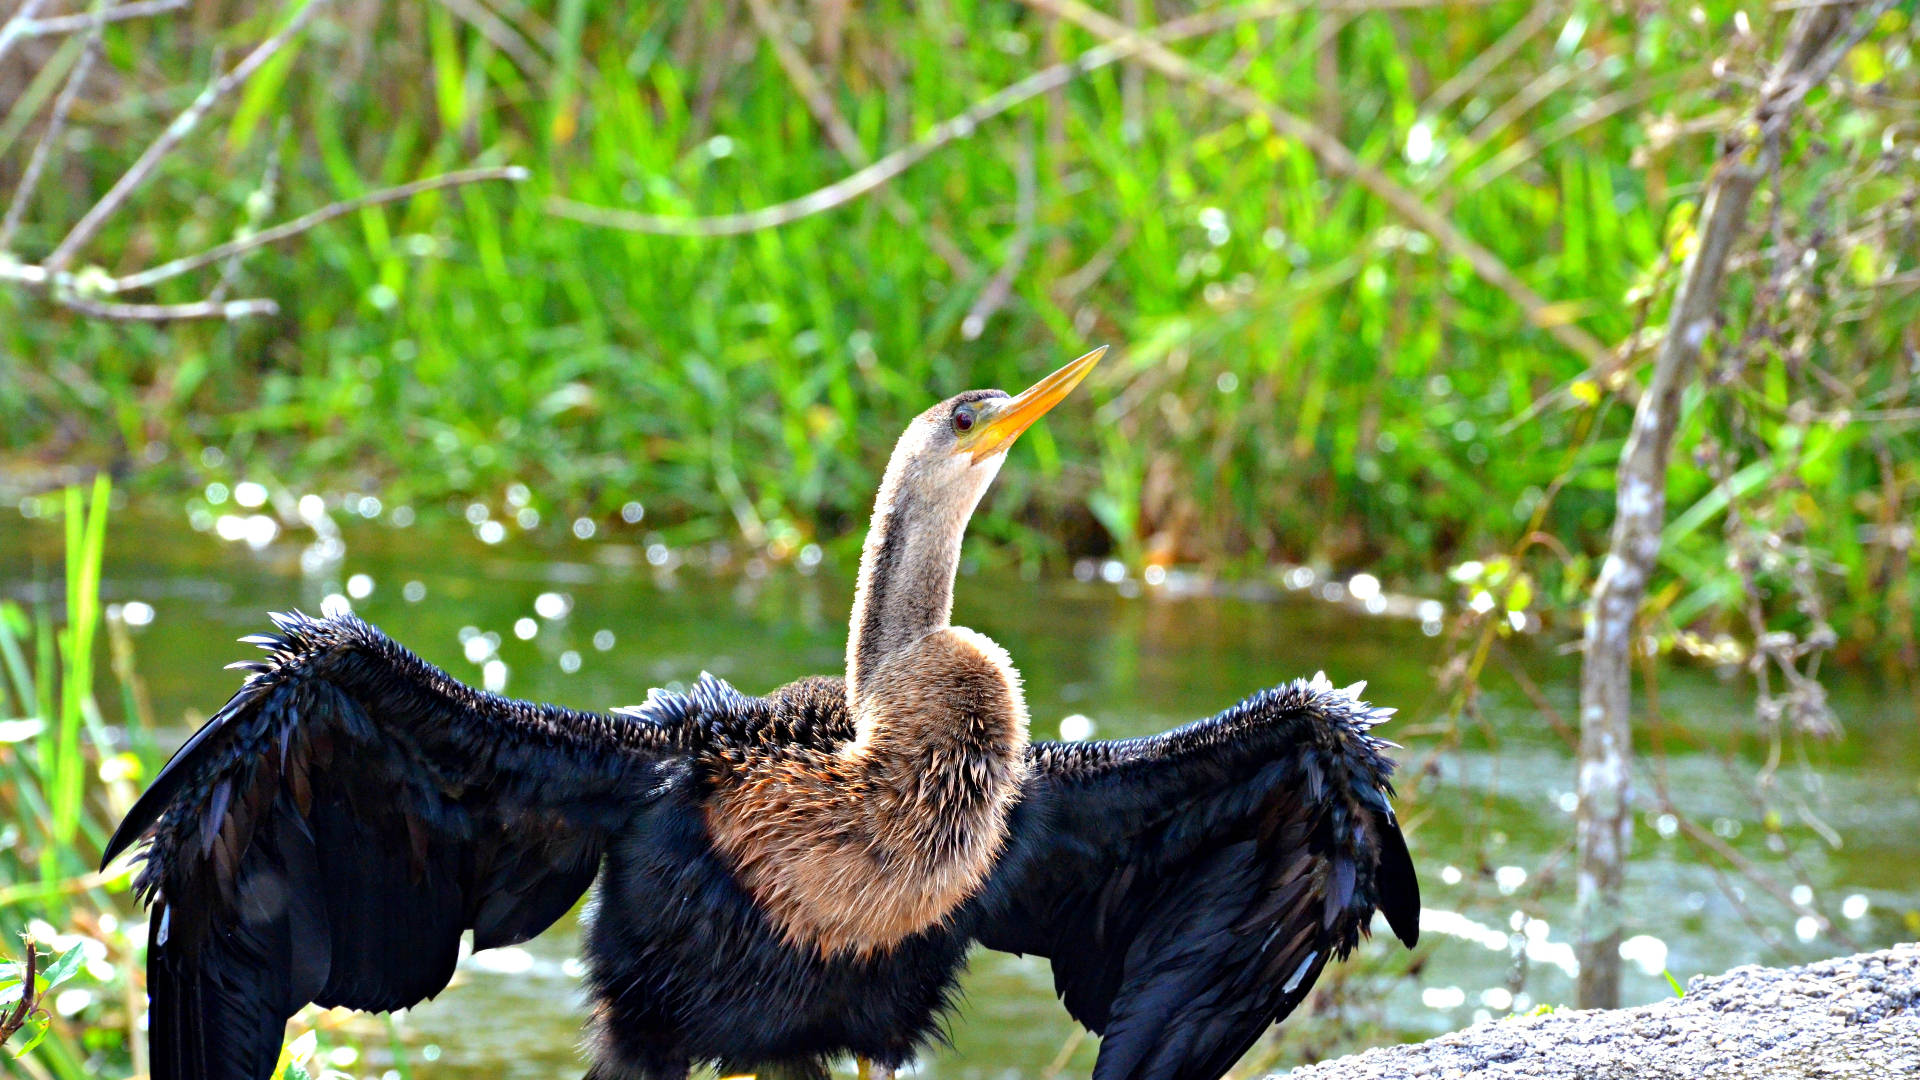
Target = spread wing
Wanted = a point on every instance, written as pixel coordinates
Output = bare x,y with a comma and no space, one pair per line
1189,887
329,834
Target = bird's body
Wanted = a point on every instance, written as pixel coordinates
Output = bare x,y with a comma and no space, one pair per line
782,879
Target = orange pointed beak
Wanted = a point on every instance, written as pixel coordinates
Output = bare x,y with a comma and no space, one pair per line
1004,420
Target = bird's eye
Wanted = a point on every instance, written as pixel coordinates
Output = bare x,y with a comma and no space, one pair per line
963,418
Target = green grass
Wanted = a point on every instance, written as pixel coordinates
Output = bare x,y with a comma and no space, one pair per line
55,757
1299,377
65,779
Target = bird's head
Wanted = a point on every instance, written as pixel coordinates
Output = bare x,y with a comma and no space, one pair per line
958,445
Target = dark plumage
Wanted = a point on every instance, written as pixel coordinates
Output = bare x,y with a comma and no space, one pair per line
782,879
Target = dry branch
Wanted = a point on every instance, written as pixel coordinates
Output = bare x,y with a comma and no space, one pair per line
56,126
1604,818
841,134
305,223
15,28
958,127
138,173
90,291
54,25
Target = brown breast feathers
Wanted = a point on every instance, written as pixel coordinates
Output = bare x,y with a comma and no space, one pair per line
857,847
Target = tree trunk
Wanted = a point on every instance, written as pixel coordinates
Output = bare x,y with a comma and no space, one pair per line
1604,819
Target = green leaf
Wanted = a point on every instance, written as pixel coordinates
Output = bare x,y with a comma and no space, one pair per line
36,1029
1521,594
261,94
1678,990
62,969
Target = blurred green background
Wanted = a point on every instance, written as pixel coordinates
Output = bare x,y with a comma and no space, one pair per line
1299,374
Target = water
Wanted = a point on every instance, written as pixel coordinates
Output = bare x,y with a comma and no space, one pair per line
1488,813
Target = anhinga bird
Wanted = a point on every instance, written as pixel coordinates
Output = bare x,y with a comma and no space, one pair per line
782,879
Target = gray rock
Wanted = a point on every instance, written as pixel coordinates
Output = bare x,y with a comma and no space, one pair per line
1855,1016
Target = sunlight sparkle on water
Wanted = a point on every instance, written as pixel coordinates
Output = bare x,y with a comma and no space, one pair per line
334,604
1076,727
511,960
570,661
135,613
552,605
1806,928
524,628
1802,894
1854,907
490,532
360,586
493,676
249,494
1649,953
1450,875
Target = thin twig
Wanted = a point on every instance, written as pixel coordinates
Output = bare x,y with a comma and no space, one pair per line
503,36
1490,58
229,310
15,27
841,134
72,24
844,191
258,206
960,126
56,126
96,218
1001,286
306,222
29,1001
1336,157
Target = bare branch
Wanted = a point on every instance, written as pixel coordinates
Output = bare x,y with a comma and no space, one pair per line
229,310
1477,69
307,222
820,103
1604,817
54,25
502,35
15,27
844,191
29,1000
96,218
1001,285
56,126
961,126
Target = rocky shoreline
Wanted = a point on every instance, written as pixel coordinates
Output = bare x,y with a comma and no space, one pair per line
1855,1016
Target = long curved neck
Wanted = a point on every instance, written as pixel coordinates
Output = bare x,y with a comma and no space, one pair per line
909,560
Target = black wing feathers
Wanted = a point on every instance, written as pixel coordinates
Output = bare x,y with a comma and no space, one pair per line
329,834
1189,887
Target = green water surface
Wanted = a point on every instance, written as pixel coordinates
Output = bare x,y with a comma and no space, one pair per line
1489,814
